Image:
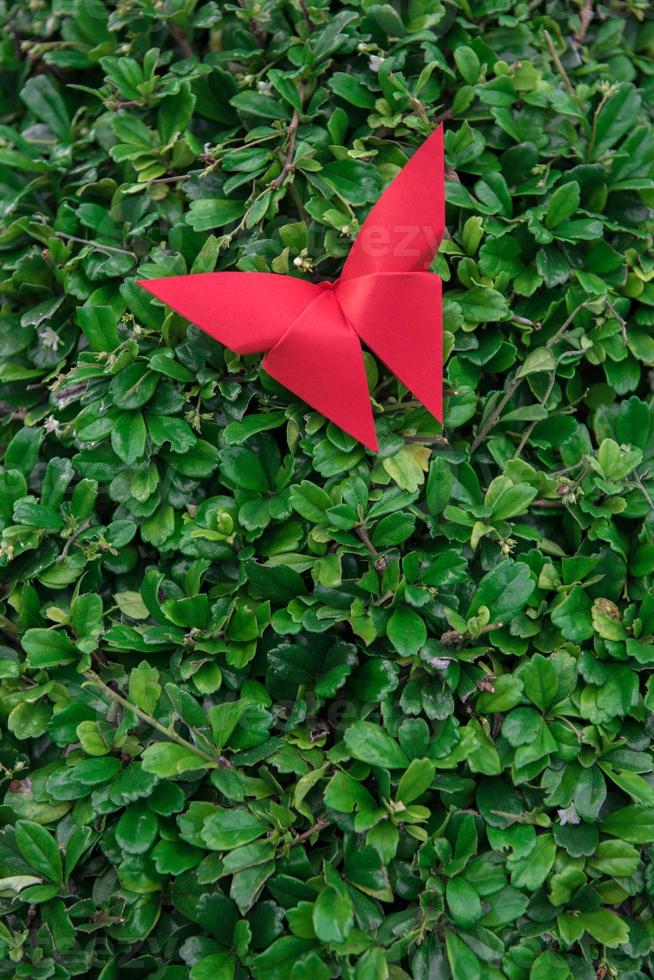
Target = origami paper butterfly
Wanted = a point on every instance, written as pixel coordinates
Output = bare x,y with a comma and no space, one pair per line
312,332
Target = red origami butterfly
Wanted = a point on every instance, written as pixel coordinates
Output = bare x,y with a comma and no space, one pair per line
312,333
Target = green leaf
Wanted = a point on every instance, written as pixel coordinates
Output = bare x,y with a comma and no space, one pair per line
467,63
540,680
615,858
536,362
333,916
463,903
634,824
371,744
224,718
165,759
44,100
463,962
573,615
406,631
605,926
482,304
562,204
531,871
261,106
39,849
216,966
590,793
243,468
615,118
48,648
310,501
210,212
144,687
351,90
439,486
134,386
278,960
137,829
227,829
507,499
356,182
236,433
504,590
416,780
550,966
99,326
128,436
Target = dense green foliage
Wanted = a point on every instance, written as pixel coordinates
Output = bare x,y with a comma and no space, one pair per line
273,706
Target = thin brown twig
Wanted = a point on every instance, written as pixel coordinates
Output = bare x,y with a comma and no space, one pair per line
315,829
428,441
585,17
255,28
621,321
494,416
69,543
287,166
362,534
643,490
98,245
305,11
442,116
181,40
554,339
170,733
559,65
532,425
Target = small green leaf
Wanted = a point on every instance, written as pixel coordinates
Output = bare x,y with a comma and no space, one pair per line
227,829
407,631
39,849
371,744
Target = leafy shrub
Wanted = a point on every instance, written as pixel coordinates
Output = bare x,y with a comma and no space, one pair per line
274,706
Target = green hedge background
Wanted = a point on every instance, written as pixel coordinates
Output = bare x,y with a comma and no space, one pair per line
273,706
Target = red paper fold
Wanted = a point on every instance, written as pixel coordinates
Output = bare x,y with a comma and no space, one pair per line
312,333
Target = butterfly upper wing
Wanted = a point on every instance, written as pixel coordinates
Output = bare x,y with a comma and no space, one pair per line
245,311
405,227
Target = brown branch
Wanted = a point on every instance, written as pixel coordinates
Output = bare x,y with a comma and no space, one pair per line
181,40
98,245
362,534
559,65
425,440
494,416
169,733
287,166
317,827
585,17
69,543
255,28
305,11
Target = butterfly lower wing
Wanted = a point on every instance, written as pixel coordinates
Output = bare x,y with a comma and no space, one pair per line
245,311
321,361
399,317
